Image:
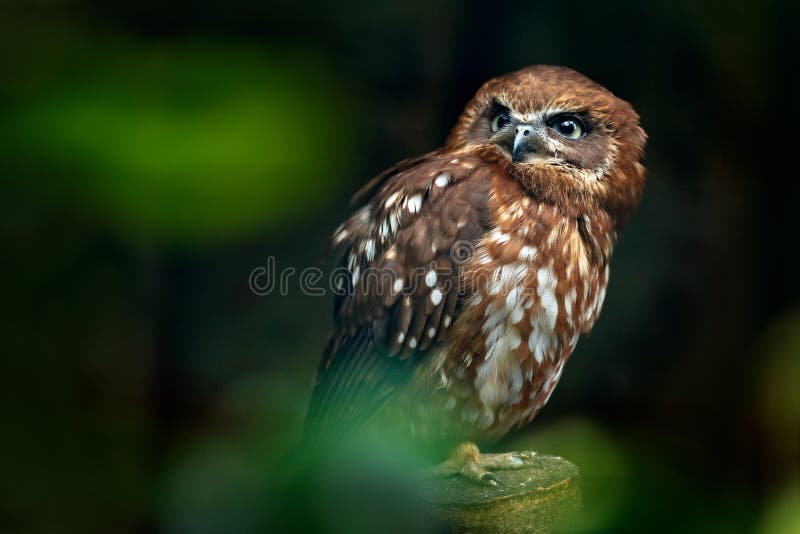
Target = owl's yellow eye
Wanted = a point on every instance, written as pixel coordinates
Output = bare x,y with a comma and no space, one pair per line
568,126
500,120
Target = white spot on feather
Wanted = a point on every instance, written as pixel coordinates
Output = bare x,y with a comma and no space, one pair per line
394,221
442,180
540,344
507,276
340,234
500,237
512,299
430,278
486,419
546,278
516,315
527,253
436,296
569,301
391,200
369,249
414,203
514,339
499,378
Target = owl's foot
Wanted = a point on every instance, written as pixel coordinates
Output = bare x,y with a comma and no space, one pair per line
469,462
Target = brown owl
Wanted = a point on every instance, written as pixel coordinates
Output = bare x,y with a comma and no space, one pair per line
470,272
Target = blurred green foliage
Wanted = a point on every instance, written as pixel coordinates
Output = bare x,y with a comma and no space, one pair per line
185,141
783,513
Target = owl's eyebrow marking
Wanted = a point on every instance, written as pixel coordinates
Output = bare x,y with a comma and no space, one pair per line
498,106
543,115
582,114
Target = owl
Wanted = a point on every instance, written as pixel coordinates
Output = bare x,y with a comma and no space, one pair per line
469,273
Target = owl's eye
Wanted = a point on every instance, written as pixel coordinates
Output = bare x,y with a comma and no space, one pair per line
500,120
568,126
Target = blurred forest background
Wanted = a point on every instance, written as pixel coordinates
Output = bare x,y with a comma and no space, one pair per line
153,156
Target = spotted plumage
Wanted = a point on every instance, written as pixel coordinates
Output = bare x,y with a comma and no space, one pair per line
471,271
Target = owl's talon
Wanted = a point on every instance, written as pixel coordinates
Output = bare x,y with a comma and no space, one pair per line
469,462
525,458
473,471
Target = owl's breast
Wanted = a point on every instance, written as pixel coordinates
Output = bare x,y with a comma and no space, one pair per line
534,287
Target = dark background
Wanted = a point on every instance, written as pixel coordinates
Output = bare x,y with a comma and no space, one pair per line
153,156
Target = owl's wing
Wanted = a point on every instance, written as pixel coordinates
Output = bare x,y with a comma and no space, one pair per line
403,252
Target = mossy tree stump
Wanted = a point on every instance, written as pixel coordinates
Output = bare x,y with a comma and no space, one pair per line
534,498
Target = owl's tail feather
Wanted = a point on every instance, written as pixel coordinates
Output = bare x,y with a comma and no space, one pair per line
354,382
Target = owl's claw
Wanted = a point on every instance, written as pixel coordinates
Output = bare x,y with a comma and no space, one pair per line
467,461
473,470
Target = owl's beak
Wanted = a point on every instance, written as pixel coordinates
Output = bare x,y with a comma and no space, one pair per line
526,141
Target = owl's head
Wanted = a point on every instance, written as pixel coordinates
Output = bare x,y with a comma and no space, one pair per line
564,138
